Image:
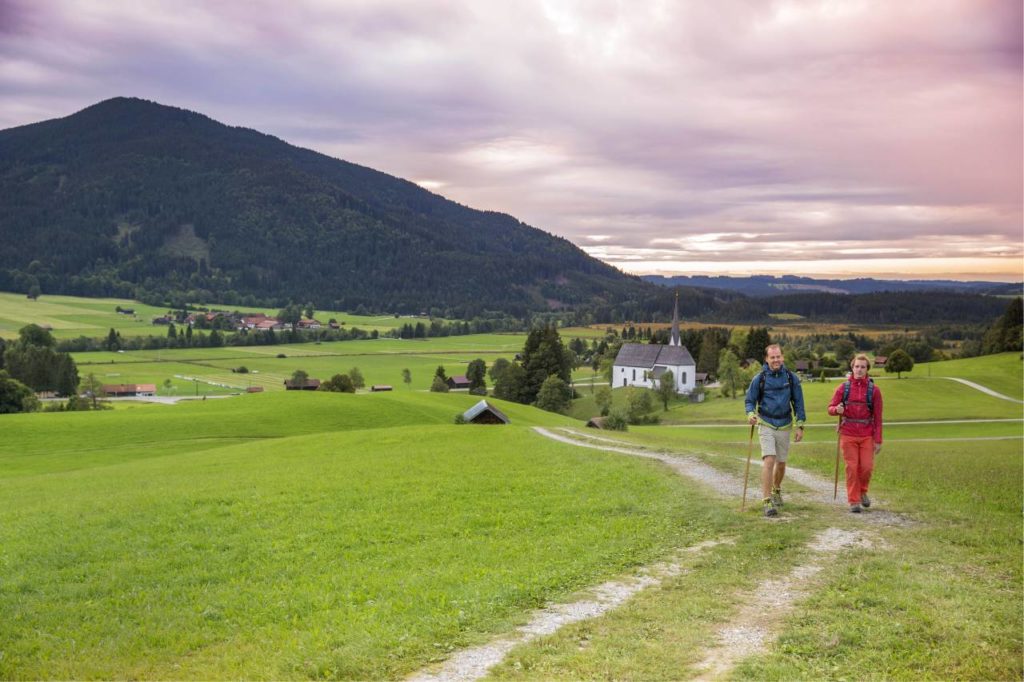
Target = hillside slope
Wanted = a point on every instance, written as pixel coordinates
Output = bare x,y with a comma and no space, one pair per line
132,198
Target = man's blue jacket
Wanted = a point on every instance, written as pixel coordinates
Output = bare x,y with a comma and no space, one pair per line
780,400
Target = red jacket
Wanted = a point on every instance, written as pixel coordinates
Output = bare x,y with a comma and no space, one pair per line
857,409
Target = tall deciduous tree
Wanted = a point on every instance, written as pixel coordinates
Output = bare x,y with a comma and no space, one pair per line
899,362
603,398
407,377
666,389
357,377
554,395
730,375
15,396
476,372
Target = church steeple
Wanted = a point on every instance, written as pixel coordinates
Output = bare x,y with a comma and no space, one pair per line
675,340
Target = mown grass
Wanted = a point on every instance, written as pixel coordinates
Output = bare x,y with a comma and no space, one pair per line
381,361
344,536
1003,372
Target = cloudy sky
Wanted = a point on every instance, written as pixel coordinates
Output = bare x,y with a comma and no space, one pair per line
840,138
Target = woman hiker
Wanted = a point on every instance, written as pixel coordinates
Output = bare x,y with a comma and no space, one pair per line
858,404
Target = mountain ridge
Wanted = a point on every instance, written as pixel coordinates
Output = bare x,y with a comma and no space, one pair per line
771,285
131,197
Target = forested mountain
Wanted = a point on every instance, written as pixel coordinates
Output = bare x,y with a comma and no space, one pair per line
133,198
768,285
883,308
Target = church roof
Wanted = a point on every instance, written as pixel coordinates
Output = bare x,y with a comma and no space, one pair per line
649,355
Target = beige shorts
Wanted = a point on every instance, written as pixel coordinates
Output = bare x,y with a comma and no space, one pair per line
774,442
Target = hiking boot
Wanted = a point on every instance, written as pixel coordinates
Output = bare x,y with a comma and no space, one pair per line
864,501
769,508
777,497
855,509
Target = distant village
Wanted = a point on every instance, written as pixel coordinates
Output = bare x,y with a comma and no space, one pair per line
236,321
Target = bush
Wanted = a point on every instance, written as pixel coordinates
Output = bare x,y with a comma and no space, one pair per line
640,402
241,370
339,383
460,418
281,355
554,395
439,385
616,421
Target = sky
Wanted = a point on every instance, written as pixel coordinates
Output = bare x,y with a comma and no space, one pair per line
851,138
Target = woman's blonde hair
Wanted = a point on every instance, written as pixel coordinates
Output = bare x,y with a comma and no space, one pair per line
860,356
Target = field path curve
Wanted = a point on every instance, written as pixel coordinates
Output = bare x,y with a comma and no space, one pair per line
983,389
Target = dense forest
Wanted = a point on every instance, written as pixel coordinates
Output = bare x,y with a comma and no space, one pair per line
131,198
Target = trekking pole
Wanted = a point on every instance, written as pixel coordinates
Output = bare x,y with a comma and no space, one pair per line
835,490
746,474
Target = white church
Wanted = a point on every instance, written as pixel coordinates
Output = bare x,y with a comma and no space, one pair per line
642,364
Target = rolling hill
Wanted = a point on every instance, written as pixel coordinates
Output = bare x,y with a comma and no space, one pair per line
133,198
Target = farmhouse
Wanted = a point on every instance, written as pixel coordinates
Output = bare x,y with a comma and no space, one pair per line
880,361
308,385
643,364
485,413
128,390
459,381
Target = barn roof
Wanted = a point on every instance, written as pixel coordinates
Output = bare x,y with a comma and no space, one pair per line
481,407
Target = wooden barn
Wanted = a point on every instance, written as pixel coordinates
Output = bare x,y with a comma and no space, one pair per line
485,413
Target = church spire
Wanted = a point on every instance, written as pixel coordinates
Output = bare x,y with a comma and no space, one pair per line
675,340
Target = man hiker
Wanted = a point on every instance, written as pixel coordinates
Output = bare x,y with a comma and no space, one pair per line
774,397
858,403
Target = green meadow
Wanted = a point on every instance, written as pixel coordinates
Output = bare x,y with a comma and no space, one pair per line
73,316
307,535
380,360
300,535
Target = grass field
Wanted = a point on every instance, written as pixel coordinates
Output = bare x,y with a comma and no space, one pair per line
73,316
304,535
381,361
299,535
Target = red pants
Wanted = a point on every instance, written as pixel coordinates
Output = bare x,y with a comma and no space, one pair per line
859,453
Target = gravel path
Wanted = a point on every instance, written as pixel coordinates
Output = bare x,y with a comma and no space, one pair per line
751,631
473,663
753,628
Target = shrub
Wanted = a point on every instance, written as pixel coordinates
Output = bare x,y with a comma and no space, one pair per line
339,383
616,421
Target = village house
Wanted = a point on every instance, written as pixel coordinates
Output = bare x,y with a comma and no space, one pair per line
128,390
308,385
643,364
459,381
